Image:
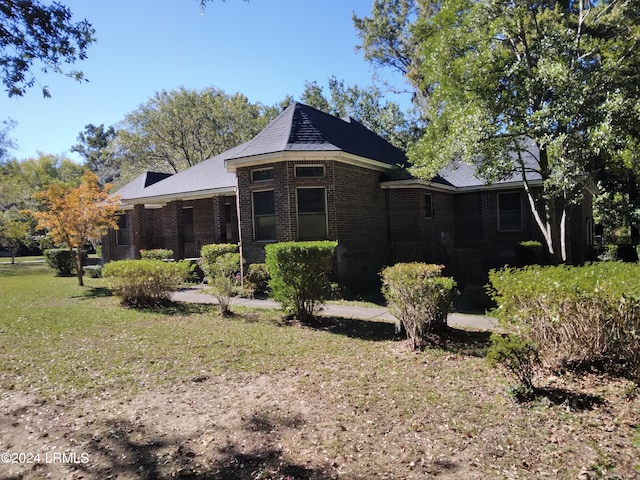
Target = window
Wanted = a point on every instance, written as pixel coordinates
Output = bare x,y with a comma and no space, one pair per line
312,214
262,175
310,171
264,217
187,225
509,212
428,205
122,234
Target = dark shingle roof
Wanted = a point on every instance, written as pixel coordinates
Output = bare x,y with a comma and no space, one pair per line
303,128
297,128
202,177
137,186
463,175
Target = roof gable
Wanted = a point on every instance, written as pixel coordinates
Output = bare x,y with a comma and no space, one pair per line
136,186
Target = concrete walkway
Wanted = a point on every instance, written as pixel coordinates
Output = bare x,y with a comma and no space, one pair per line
479,322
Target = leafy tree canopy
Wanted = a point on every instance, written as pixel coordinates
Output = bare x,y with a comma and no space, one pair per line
71,216
367,106
20,179
93,146
177,129
563,74
7,143
32,35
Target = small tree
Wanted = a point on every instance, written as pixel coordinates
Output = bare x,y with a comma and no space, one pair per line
519,358
220,264
74,215
13,231
300,275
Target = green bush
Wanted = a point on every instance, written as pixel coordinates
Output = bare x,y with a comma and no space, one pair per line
300,275
530,252
62,261
144,283
157,254
223,279
576,315
209,254
258,277
419,297
519,358
94,271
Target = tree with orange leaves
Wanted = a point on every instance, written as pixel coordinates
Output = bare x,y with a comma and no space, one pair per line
74,215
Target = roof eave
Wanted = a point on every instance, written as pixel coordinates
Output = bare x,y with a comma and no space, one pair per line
418,183
301,155
164,199
426,184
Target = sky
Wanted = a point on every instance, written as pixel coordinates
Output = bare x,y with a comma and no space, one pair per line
264,49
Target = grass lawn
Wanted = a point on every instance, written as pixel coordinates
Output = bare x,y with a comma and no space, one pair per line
184,393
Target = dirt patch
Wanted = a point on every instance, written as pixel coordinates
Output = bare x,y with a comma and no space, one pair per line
317,425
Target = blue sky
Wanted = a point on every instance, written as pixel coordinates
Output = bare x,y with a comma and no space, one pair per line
265,49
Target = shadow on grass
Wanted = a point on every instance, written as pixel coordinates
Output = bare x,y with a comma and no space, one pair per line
471,343
464,342
176,308
576,401
95,292
354,328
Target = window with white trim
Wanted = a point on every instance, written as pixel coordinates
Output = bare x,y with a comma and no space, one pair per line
262,175
509,212
264,215
312,214
309,171
122,234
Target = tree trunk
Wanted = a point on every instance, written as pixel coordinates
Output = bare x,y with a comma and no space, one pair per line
79,269
553,232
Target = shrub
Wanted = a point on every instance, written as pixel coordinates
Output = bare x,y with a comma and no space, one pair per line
258,277
576,315
518,357
62,261
145,282
300,275
94,271
221,264
157,254
209,253
419,297
530,253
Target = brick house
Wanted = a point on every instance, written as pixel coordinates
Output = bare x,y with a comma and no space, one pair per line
311,176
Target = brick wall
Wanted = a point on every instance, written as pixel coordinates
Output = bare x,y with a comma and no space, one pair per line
356,213
415,236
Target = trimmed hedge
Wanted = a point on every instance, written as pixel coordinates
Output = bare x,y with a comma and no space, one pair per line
62,261
143,283
419,297
576,315
258,277
157,254
300,275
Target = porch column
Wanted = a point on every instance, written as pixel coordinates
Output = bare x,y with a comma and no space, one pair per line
139,230
172,214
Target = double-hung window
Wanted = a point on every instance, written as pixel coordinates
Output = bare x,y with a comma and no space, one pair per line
312,214
509,212
122,234
264,215
428,205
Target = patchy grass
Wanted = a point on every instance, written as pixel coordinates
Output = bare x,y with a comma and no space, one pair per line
183,393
